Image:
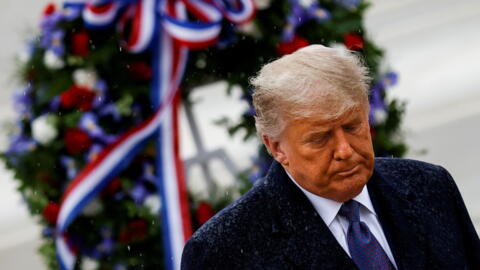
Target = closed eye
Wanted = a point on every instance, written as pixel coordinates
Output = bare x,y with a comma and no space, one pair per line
352,128
318,138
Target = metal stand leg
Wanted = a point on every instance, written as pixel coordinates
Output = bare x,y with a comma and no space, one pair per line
203,157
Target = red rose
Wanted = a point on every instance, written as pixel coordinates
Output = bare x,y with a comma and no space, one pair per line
373,132
135,230
289,47
80,44
84,98
77,96
112,187
68,98
72,244
50,212
353,42
44,177
49,9
31,75
204,212
140,71
76,140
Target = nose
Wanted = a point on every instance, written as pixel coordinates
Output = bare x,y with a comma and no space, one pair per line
343,150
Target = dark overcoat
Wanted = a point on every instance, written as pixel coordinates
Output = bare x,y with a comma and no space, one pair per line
274,225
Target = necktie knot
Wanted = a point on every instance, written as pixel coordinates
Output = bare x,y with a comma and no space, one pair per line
351,211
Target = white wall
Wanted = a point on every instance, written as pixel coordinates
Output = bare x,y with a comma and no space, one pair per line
19,234
434,47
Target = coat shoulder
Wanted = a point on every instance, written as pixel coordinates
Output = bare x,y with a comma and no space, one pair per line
239,216
436,214
411,172
405,165
232,231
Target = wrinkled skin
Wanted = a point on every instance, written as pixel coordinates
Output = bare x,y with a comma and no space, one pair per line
332,158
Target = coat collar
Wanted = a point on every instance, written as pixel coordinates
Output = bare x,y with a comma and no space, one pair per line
304,239
328,209
399,212
307,243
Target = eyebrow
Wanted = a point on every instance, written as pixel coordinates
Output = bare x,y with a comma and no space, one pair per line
314,134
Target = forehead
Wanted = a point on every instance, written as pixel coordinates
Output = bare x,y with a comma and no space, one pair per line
322,120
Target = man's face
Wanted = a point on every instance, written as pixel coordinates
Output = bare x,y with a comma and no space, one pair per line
332,158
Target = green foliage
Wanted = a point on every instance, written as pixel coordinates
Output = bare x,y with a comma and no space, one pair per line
388,137
48,252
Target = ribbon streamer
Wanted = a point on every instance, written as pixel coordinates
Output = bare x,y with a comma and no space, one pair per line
160,25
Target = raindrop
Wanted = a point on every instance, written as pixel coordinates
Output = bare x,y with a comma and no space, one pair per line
201,63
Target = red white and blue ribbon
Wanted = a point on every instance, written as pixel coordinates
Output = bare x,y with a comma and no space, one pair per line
163,27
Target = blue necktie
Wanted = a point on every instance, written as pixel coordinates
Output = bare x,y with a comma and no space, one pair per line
364,249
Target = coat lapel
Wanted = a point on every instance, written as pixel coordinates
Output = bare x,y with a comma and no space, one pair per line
303,238
399,214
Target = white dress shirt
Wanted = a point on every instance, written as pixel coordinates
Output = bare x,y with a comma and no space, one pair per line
338,225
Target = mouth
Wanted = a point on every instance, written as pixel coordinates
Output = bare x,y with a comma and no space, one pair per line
349,171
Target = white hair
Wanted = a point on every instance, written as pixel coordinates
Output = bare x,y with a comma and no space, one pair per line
315,79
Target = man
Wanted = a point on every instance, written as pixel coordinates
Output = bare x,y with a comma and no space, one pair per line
326,202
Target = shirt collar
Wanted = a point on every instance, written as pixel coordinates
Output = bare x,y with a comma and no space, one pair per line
328,209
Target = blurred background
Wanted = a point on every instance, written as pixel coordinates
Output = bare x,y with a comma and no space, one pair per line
432,45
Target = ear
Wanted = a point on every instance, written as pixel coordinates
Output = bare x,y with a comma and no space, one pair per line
276,149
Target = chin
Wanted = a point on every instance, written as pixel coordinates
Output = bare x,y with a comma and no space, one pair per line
346,195
349,189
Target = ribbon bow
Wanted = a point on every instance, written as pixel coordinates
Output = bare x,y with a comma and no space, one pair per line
163,27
